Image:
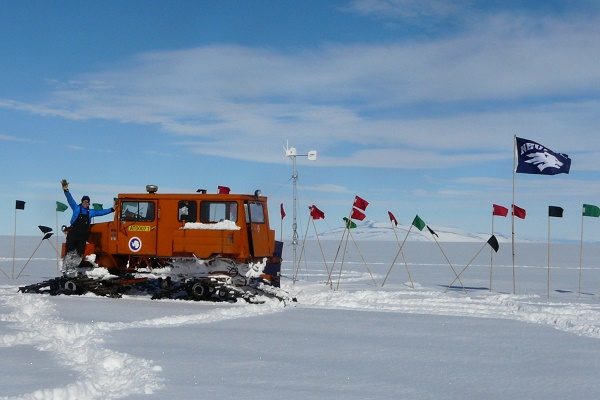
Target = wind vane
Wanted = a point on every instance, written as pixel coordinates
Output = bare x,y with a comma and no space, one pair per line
293,153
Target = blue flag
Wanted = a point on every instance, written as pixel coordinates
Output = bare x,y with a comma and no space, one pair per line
533,158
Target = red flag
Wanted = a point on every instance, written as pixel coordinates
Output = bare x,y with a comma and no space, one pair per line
392,218
223,189
357,214
360,203
499,210
518,212
282,211
315,213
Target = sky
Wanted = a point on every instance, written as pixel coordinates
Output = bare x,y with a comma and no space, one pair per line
411,105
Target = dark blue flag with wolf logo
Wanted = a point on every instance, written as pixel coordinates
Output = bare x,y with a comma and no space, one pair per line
533,158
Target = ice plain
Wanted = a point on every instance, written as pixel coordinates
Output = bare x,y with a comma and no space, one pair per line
353,341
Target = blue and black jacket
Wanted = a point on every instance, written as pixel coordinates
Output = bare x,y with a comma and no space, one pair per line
79,209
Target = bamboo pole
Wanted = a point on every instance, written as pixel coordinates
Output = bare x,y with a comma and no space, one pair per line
343,257
465,268
581,254
403,258
337,253
397,254
12,275
361,256
492,255
4,273
301,253
513,213
450,264
548,255
348,224
56,248
408,270
320,247
46,236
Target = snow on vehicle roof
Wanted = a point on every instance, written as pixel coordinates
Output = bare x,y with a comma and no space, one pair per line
224,225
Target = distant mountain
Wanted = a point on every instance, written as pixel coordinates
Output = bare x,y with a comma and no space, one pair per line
382,231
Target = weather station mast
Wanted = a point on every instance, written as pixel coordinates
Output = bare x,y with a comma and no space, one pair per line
292,153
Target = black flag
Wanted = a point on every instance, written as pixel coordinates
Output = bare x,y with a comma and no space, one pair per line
493,242
45,229
20,205
554,211
432,232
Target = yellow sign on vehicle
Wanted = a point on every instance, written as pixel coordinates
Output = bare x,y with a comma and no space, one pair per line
138,228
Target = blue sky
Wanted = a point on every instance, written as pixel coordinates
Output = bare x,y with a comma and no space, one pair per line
412,105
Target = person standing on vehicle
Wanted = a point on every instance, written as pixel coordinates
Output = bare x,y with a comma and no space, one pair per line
78,230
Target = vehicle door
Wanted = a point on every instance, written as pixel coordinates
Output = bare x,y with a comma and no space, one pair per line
137,230
259,229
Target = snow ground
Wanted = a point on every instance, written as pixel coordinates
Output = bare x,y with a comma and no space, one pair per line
357,342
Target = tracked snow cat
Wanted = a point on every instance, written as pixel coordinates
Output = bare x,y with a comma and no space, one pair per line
197,246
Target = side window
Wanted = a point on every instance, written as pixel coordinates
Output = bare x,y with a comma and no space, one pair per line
187,211
137,211
257,213
211,211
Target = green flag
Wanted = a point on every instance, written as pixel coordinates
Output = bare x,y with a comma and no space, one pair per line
97,206
418,223
61,206
591,211
349,223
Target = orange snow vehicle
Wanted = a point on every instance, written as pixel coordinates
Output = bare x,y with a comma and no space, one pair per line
195,246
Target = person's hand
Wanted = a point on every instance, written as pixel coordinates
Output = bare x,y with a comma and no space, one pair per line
65,184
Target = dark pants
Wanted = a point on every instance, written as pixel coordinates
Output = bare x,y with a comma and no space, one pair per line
76,241
77,236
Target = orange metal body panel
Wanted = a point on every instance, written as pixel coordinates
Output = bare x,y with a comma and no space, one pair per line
151,225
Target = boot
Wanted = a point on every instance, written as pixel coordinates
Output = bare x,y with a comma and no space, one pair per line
70,263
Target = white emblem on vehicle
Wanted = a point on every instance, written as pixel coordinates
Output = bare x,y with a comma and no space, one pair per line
135,244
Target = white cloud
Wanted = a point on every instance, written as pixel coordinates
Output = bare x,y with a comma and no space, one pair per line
427,104
9,138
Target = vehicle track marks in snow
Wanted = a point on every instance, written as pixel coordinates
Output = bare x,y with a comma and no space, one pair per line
103,373
216,315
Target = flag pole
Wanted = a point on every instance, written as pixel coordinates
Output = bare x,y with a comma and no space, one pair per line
361,256
407,270
403,258
320,247
449,263
343,256
581,253
12,275
397,254
548,254
464,269
301,253
513,212
57,253
337,253
348,224
55,248
36,249
280,229
7,277
492,255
